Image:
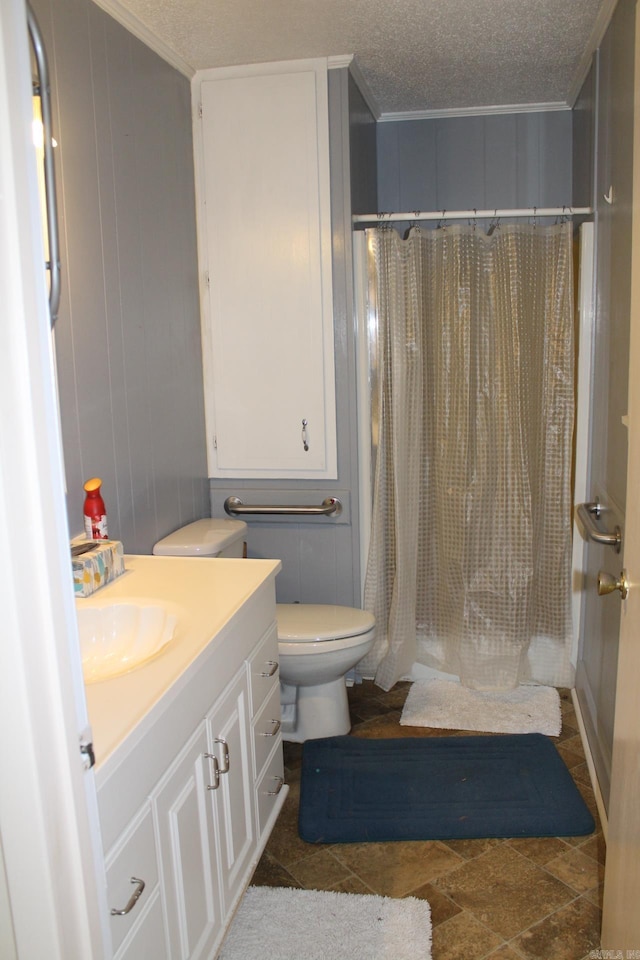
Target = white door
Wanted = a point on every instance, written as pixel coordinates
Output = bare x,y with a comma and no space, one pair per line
621,918
48,814
607,482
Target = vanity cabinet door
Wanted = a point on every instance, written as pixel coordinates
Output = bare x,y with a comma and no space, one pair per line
147,940
189,851
132,883
262,161
233,803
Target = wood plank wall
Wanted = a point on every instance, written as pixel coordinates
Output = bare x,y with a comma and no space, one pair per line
128,334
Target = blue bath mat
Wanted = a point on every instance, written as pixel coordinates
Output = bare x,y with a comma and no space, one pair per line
437,788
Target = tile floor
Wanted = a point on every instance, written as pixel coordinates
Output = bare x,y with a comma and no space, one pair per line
521,899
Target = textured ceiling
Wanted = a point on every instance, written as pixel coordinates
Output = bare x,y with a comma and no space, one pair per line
414,55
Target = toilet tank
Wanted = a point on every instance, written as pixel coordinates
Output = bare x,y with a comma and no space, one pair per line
205,538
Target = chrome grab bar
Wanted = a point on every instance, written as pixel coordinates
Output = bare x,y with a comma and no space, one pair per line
44,92
331,507
588,513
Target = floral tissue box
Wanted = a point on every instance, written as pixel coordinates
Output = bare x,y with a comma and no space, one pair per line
101,563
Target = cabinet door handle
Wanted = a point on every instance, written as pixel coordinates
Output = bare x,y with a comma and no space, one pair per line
274,793
272,733
273,668
135,896
225,756
216,771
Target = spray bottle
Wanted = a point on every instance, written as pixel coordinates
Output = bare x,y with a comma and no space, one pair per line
95,513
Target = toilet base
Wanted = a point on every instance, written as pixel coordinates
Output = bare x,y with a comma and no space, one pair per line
315,711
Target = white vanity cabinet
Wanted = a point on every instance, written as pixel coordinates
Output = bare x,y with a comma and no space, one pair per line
181,797
261,146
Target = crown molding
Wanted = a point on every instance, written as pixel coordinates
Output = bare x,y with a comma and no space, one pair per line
339,60
135,26
488,111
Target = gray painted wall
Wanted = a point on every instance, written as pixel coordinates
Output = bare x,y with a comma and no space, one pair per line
363,159
584,133
128,335
462,163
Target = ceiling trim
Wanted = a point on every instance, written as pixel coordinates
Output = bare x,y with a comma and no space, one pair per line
475,111
135,26
595,40
338,60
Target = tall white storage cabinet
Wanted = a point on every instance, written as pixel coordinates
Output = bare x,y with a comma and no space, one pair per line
264,221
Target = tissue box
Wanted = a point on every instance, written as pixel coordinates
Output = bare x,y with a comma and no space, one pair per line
99,565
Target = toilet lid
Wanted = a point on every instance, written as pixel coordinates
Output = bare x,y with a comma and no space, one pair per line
308,622
202,538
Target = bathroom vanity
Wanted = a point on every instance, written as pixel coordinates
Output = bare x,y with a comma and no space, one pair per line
189,768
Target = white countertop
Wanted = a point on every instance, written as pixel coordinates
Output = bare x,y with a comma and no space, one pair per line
209,593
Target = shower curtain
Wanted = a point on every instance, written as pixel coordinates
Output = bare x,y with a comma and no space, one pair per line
469,566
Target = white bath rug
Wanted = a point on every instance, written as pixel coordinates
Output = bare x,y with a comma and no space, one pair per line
277,923
452,706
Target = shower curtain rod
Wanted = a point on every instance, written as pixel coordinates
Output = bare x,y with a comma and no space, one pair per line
495,214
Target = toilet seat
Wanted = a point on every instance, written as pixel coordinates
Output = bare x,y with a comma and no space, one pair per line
321,622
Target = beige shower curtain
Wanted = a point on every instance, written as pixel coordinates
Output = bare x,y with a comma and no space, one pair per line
470,556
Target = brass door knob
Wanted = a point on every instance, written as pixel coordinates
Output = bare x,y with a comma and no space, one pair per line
607,583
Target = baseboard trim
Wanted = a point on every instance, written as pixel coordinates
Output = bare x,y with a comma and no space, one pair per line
590,765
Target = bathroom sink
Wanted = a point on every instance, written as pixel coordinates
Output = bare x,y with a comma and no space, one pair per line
116,638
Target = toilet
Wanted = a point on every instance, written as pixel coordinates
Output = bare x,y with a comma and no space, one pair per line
205,538
318,643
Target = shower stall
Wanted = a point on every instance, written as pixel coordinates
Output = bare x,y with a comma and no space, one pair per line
467,401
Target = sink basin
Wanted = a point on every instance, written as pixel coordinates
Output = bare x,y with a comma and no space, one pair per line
116,638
